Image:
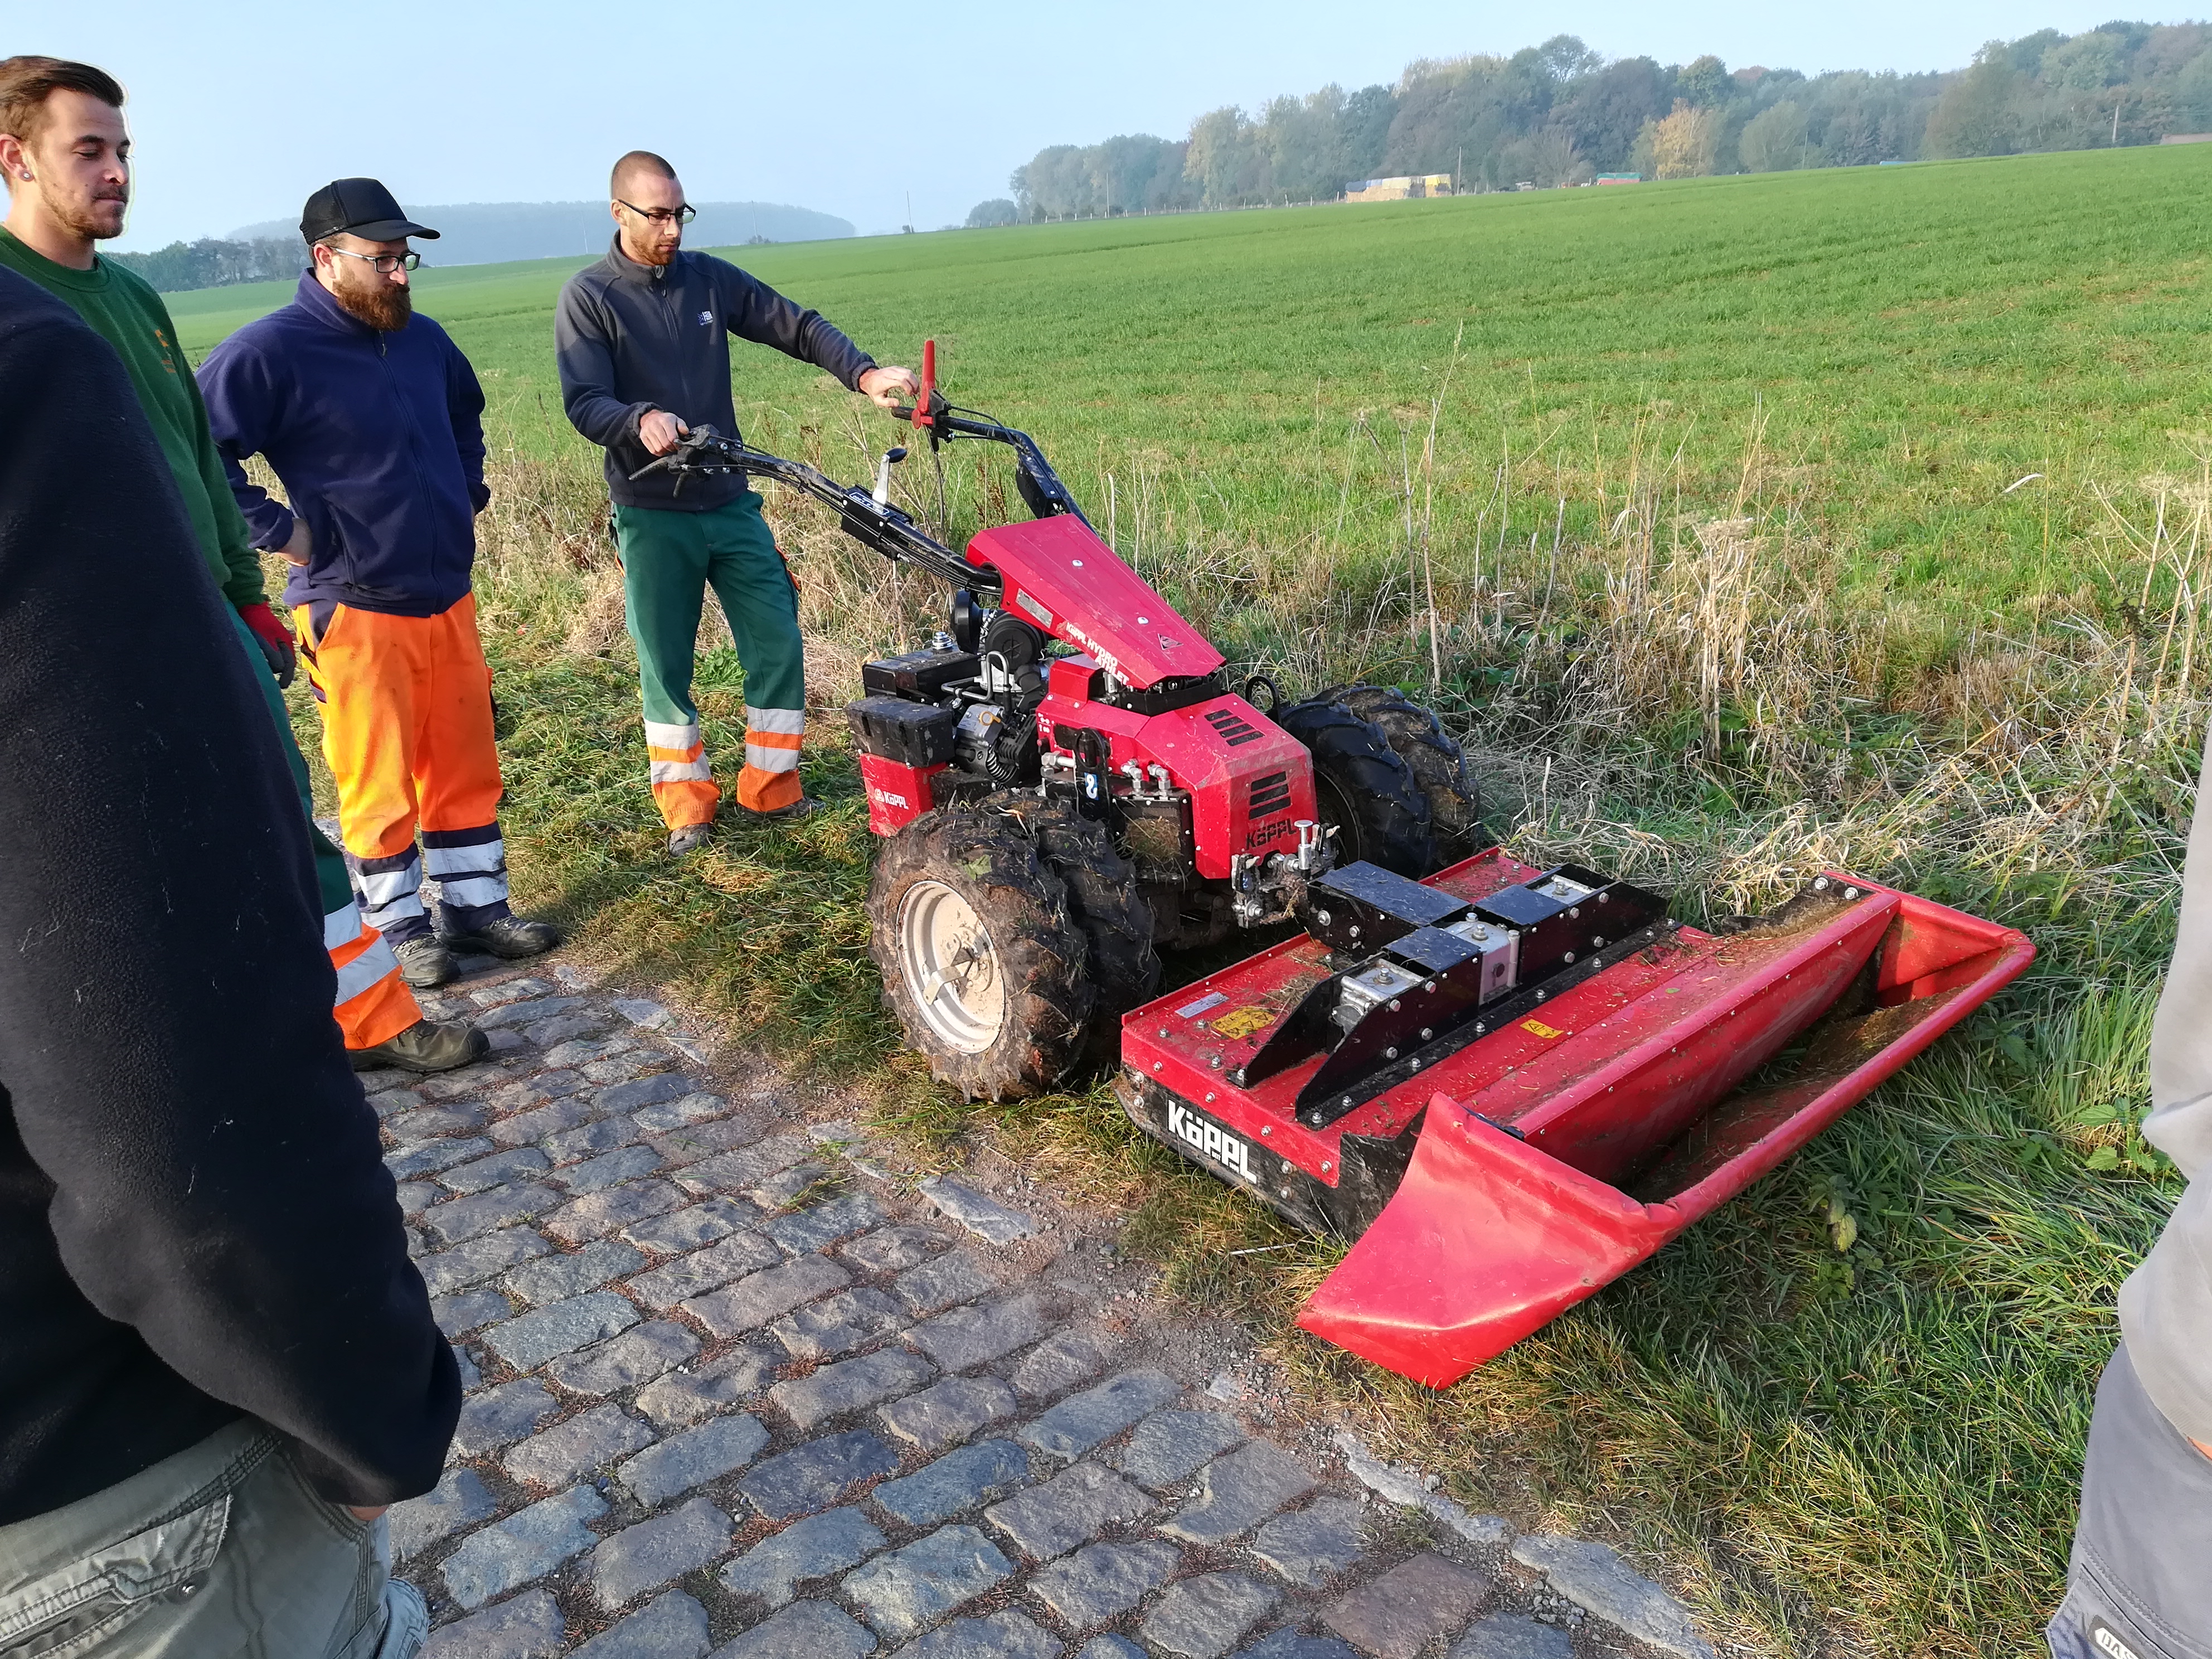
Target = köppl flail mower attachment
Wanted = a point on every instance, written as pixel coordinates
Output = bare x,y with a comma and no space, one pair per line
1507,1084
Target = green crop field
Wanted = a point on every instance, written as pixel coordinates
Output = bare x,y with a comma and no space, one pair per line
1742,526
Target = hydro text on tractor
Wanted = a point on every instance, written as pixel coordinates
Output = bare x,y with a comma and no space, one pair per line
1507,1084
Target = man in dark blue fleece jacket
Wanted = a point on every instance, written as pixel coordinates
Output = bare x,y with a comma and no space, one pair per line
216,1362
372,417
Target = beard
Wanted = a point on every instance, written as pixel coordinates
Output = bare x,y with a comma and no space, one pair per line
385,307
96,220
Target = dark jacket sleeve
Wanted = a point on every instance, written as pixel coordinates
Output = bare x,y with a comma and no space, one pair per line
584,347
241,401
465,403
753,311
166,1048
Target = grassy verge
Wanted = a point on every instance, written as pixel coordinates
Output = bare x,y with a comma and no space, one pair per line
1708,519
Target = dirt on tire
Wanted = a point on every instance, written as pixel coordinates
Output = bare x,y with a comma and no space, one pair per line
1364,787
1438,765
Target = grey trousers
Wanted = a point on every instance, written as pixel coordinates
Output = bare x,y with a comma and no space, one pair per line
2140,1585
222,1551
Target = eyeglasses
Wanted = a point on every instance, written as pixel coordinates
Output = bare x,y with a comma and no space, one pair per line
385,264
682,216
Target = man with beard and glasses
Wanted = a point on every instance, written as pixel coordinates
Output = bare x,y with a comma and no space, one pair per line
65,153
372,419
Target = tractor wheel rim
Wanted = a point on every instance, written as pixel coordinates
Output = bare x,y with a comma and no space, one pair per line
952,967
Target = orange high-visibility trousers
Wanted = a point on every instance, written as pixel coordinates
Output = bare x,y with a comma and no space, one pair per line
407,728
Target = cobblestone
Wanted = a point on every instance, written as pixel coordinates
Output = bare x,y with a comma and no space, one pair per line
599,1213
891,1249
1594,1577
1292,1643
460,1219
967,1337
686,1397
428,1122
529,1340
908,1588
1203,1618
812,1548
1238,1491
483,1174
502,1415
528,1545
579,1446
818,1475
479,1259
1083,1420
1101,1582
638,1355
644,1091
433,1155
653,1552
753,1301
779,1189
733,1257
526,1128
667,1114
849,1386
948,1411
1057,1365
559,1030
935,1285
1110,1647
811,1230
458,1315
1400,1613
535,1091
688,1229
742,1167
522,1014
1002,1635
609,1170
681,1147
558,1278
1505,1636
837,1325
1072,1507
804,1629
528,1628
459,1500
1315,1544
578,1051
1170,1446
706,1453
955,1483
670,1627
512,990
417,1196
588,1138
985,1217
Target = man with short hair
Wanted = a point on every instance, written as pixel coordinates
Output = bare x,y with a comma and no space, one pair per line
217,1364
644,343
372,418
64,152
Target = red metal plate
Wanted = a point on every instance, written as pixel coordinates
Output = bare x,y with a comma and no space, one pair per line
1063,578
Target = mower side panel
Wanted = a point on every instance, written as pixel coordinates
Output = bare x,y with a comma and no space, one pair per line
1063,577
897,795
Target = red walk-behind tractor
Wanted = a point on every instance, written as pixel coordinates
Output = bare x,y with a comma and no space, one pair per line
1509,1085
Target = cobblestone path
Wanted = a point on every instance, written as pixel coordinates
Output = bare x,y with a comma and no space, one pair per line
737,1387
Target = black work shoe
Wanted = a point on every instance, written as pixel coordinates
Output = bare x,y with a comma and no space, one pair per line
510,937
428,1045
425,963
804,807
689,838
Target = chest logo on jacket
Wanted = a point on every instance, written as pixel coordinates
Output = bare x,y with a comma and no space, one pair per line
706,319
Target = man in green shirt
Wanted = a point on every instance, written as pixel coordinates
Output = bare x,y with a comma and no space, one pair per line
64,152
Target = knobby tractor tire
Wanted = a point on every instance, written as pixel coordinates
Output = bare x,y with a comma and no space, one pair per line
963,897
1419,738
1363,787
1104,898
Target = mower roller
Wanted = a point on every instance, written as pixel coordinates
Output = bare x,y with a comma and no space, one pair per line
1506,1084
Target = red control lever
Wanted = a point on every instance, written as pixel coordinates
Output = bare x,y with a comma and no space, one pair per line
921,421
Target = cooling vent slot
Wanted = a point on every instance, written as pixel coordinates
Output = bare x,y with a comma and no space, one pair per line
1233,726
1270,795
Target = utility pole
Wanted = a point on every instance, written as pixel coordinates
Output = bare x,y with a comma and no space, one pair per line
2116,123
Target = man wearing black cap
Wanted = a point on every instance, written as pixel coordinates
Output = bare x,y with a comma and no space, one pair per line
372,418
65,155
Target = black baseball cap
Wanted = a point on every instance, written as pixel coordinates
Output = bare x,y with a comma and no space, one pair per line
360,207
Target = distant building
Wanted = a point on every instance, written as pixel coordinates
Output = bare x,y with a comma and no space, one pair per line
1618,179
1400,189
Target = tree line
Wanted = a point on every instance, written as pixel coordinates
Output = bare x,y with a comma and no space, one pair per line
216,262
1560,113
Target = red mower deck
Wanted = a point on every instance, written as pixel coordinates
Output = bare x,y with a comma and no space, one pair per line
1580,1127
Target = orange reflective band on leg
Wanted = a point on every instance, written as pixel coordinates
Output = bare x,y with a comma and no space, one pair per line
372,1002
762,791
684,786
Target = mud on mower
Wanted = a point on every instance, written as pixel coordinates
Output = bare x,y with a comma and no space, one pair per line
1509,1085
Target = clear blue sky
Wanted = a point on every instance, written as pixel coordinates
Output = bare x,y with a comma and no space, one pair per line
242,107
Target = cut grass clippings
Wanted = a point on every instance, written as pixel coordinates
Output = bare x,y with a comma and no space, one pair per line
1743,528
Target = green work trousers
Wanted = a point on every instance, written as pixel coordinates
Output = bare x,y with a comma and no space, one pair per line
670,559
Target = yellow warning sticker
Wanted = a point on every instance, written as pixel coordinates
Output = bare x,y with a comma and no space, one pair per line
1243,1022
1541,1028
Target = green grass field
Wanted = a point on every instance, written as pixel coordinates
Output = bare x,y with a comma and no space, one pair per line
1706,510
